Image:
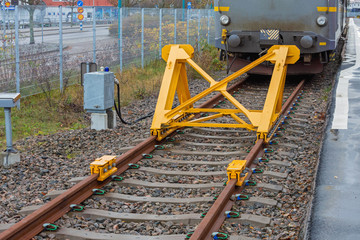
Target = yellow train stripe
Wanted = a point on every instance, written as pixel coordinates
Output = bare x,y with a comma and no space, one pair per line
222,9
326,9
322,43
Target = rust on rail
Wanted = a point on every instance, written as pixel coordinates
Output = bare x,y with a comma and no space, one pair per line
50,212
32,224
215,217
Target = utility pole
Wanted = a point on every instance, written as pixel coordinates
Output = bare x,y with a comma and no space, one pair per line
183,11
120,33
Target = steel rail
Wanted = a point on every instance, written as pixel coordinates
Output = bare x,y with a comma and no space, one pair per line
50,212
32,224
215,217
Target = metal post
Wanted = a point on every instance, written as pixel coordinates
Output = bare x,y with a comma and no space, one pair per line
199,26
42,25
160,33
187,26
208,38
4,27
119,22
142,37
61,48
7,18
17,55
121,40
175,25
94,35
183,10
8,129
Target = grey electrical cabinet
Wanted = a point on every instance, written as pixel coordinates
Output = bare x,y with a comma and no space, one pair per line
98,91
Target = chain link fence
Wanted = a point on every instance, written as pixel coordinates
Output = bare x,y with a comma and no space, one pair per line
60,42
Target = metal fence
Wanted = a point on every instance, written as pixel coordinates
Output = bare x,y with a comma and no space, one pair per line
61,42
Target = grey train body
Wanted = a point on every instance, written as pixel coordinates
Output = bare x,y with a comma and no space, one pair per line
252,26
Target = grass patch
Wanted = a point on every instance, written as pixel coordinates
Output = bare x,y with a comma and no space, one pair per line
138,83
40,115
326,94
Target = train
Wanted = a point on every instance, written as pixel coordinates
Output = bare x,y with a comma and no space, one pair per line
245,29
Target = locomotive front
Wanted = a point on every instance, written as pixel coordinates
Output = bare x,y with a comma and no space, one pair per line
247,28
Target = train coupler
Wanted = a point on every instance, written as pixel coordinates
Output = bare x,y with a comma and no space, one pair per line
237,170
104,166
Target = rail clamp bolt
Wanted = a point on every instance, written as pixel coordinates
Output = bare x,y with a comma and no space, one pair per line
50,227
219,236
232,214
241,197
76,207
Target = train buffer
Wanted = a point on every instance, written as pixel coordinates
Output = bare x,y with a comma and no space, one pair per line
168,119
104,166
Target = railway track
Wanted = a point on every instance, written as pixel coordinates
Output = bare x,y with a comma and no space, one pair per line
174,189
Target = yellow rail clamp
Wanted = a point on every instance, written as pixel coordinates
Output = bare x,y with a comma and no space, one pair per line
104,166
235,170
167,119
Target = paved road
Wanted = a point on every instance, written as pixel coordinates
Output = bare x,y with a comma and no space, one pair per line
336,210
72,37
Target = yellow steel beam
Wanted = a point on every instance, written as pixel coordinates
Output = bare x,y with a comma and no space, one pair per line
208,110
167,119
213,125
273,102
203,119
219,85
201,72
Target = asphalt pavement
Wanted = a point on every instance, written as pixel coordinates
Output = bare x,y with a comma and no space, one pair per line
336,205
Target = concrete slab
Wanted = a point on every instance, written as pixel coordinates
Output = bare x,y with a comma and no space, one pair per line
156,171
5,226
261,201
270,187
336,209
254,220
9,158
99,121
275,174
71,233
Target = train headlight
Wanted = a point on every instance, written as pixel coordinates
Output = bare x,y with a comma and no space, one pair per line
321,21
224,20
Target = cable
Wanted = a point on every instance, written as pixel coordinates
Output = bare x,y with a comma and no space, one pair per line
232,62
227,57
118,110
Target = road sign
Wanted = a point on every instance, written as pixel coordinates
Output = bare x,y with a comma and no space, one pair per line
80,10
189,5
80,17
80,3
